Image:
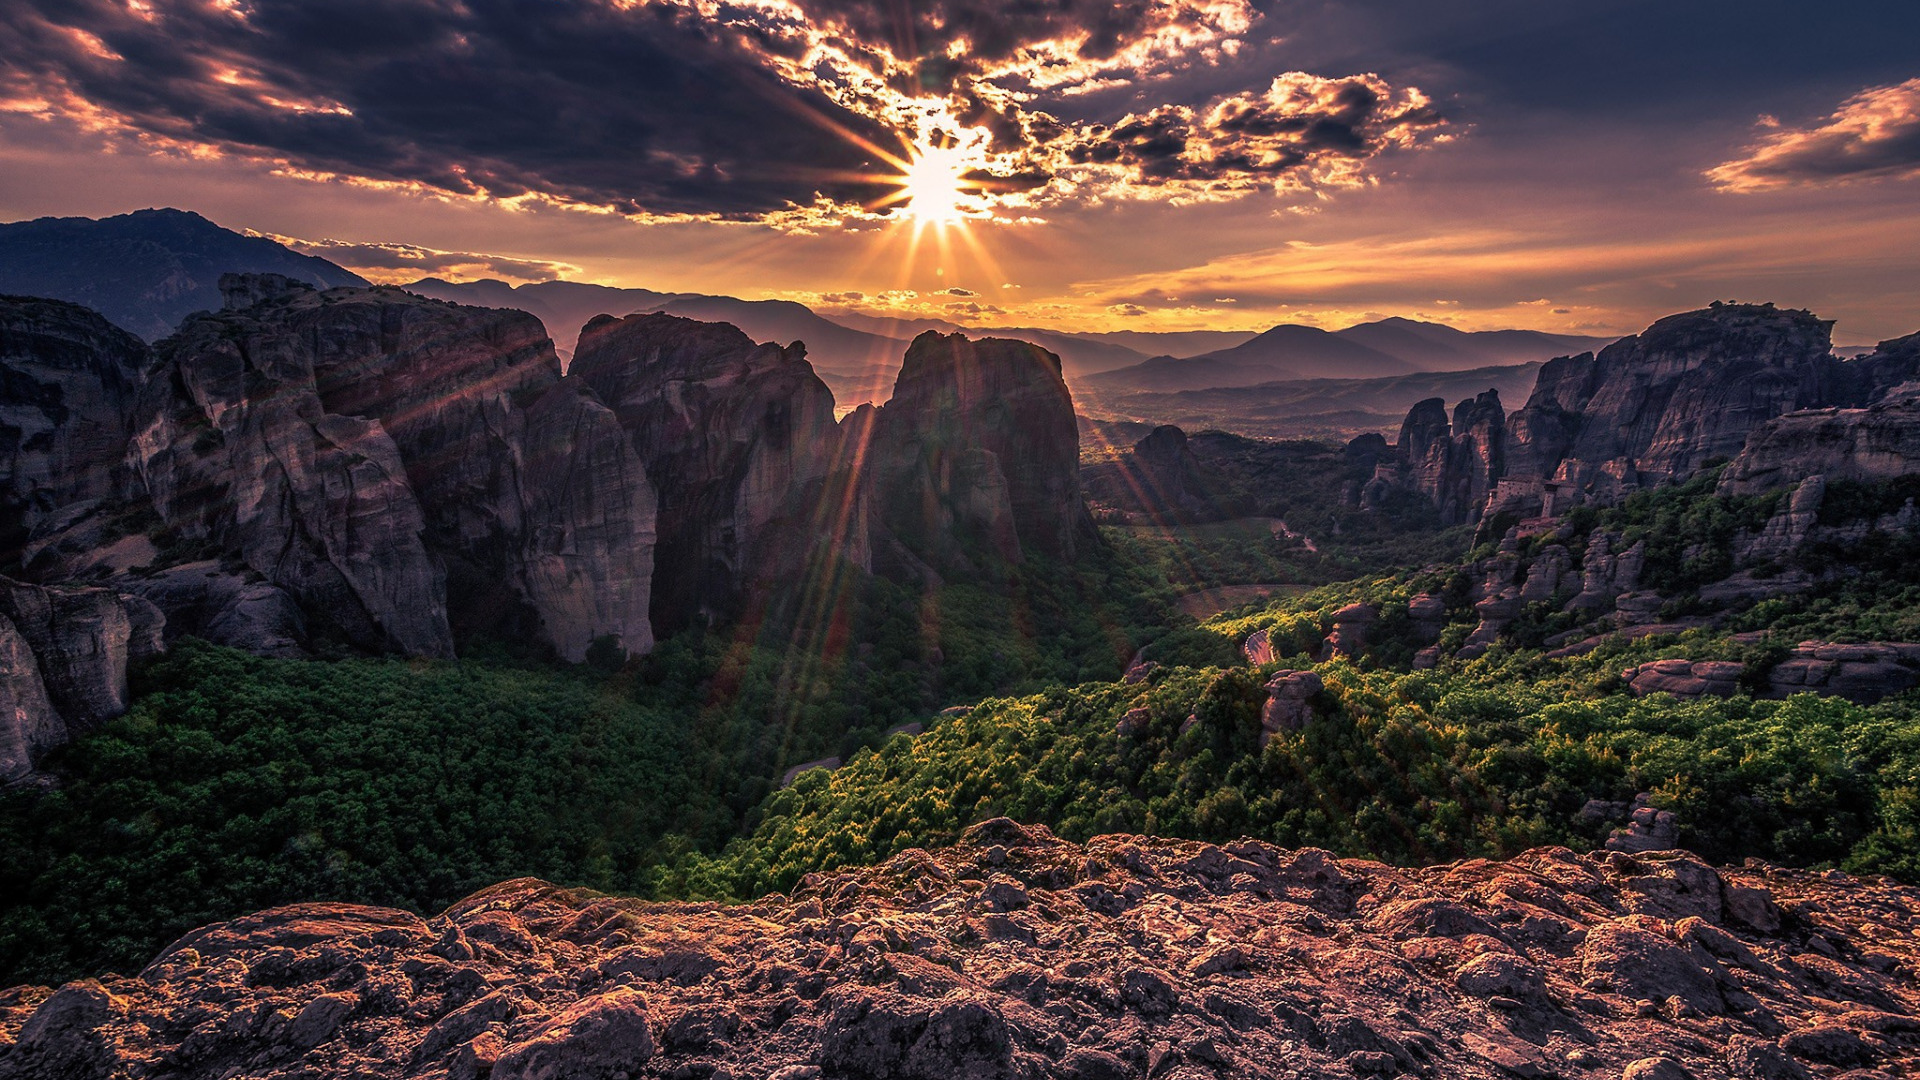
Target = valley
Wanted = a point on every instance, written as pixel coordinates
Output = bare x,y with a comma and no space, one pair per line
352,596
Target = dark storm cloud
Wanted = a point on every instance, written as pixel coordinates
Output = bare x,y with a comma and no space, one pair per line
649,108
734,109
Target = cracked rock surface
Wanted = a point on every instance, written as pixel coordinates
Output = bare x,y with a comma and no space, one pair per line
1015,954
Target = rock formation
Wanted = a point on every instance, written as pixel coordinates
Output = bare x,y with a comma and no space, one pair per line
356,457
1455,463
67,378
1289,704
977,452
1015,954
1161,480
396,474
736,437
1880,442
1863,672
1349,636
64,655
235,450
1656,408
1658,405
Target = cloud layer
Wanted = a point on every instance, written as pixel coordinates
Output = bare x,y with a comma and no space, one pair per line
398,264
1873,134
793,111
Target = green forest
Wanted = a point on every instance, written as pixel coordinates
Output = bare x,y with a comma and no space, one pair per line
237,783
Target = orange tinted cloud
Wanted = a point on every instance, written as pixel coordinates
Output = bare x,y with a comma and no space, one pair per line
1873,134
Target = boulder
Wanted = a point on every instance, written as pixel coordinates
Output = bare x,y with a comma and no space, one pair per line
1638,964
1350,624
597,1038
1685,678
1863,673
1648,829
1289,703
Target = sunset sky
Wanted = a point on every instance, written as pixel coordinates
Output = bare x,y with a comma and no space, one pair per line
1084,164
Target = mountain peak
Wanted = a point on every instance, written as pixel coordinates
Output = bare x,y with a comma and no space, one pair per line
148,269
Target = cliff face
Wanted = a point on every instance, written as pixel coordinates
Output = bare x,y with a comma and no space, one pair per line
237,451
367,466
1161,480
736,437
1657,406
1649,409
348,461
978,451
67,378
1878,442
64,654
1016,955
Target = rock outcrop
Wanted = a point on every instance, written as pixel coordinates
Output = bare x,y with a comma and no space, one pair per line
1660,404
1864,672
1160,480
736,437
1455,463
367,467
1880,442
977,452
1017,955
237,452
67,379
64,655
345,463
1289,704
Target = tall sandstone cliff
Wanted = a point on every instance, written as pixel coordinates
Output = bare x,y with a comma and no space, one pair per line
1658,405
360,448
977,452
737,437
67,379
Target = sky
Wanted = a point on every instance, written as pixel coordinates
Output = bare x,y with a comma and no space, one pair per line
1081,164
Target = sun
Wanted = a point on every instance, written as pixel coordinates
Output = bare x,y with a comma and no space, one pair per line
934,186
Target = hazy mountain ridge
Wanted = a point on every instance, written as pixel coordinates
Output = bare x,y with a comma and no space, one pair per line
144,271
1306,408
1382,349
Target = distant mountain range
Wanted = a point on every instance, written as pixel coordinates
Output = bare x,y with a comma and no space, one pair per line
147,270
1375,350
1305,408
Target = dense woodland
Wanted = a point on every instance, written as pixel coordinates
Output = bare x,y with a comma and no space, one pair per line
238,782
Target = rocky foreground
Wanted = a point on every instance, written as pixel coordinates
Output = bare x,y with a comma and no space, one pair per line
1015,954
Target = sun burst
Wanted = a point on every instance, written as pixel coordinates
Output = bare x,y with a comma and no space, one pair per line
935,188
